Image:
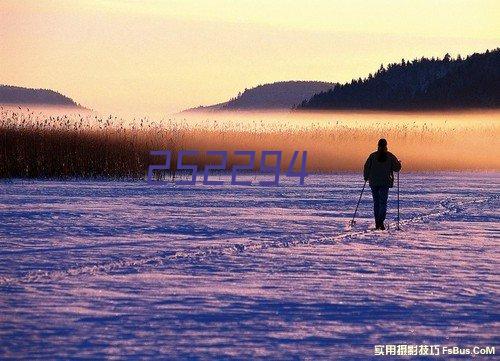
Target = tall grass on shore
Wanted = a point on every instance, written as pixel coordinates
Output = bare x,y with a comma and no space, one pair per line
35,145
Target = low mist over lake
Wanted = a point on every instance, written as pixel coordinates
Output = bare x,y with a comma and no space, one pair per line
39,140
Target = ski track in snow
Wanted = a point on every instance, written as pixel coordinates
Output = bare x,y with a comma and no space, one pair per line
449,206
96,268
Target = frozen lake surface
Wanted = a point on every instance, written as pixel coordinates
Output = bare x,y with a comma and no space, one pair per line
121,269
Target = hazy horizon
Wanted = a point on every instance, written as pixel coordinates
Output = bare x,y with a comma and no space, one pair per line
157,57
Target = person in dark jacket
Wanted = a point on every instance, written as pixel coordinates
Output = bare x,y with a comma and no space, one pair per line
378,170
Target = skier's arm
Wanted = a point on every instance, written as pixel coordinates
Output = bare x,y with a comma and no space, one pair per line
368,165
396,164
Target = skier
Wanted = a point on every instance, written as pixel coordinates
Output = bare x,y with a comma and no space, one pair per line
378,170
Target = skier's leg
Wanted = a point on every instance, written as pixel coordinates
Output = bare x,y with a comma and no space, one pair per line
376,204
383,195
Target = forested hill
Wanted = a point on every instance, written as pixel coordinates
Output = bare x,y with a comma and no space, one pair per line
473,82
18,95
279,95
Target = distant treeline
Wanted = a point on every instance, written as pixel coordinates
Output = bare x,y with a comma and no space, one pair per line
273,96
447,83
278,95
18,95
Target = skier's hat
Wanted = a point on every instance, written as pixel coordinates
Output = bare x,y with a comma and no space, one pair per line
382,143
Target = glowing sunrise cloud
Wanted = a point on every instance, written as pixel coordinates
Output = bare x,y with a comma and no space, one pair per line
156,57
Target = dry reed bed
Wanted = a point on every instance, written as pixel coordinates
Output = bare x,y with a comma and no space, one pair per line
86,146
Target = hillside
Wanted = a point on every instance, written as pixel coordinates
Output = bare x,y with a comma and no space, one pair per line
279,95
473,82
19,95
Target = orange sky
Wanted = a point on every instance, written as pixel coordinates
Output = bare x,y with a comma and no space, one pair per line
158,57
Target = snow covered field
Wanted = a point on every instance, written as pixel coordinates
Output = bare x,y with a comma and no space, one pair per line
122,269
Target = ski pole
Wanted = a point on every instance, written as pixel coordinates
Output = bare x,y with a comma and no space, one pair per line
398,201
357,205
